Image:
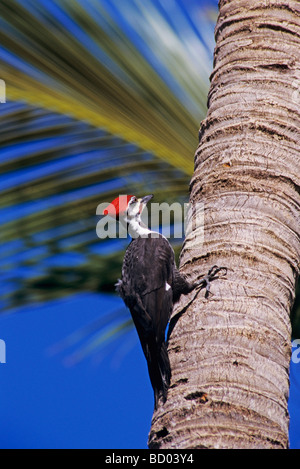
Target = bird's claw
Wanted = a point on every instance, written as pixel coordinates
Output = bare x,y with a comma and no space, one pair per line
209,277
214,270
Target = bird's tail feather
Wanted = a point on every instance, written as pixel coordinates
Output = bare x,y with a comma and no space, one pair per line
160,374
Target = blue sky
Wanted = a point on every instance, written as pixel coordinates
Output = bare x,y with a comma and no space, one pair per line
104,401
294,406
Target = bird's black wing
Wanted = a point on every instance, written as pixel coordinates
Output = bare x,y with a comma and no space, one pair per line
147,278
146,287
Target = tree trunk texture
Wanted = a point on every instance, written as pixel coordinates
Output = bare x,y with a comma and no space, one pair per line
230,353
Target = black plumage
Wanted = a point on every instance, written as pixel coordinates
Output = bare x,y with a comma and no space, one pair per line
149,286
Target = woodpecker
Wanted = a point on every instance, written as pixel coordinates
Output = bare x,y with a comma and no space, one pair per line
150,285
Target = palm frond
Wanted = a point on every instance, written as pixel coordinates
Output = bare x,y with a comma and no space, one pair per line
103,98
79,58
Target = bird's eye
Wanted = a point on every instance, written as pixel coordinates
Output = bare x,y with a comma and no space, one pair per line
133,200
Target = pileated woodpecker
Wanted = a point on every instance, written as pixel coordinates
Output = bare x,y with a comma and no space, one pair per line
150,285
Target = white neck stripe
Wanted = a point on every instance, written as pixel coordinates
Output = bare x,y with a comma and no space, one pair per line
137,229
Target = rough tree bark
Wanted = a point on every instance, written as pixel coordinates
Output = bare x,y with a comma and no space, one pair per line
230,354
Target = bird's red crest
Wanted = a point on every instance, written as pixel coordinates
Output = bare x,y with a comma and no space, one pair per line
118,206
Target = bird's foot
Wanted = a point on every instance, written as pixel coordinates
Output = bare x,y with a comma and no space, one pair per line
205,282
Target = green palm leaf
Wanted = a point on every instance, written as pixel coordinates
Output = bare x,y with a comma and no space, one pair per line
103,97
88,116
85,65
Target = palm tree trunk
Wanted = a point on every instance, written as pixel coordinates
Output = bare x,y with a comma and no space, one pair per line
230,353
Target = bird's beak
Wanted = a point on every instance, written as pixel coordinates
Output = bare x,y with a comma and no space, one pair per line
146,198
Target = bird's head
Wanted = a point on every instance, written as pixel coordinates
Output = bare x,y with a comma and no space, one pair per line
127,207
